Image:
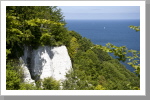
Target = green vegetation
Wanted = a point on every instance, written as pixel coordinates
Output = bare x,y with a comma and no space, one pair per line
33,26
14,75
136,28
50,84
123,55
93,67
30,26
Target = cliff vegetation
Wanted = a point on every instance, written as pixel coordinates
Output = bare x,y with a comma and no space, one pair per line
93,67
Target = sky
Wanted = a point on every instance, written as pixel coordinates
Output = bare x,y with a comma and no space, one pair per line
100,12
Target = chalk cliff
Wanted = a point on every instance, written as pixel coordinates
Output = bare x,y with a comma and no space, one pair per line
45,62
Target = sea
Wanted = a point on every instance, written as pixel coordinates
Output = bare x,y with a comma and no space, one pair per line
101,32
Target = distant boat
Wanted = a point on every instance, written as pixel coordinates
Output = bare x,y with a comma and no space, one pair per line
104,27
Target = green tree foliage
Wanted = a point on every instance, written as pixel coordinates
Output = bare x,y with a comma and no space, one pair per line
50,84
47,39
33,26
136,28
85,44
77,80
14,75
99,87
131,57
27,86
123,53
12,80
73,47
134,63
93,67
97,69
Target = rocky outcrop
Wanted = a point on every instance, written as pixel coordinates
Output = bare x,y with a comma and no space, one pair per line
45,62
27,76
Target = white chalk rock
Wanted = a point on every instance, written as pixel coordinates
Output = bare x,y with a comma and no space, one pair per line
61,62
47,61
27,77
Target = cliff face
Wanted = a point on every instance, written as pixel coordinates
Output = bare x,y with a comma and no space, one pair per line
45,62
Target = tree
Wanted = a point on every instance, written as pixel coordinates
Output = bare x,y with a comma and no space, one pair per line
30,25
77,80
122,55
73,47
14,75
93,67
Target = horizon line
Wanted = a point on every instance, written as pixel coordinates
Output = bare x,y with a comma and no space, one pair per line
101,19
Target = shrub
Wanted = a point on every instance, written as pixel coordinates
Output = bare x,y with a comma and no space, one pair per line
51,84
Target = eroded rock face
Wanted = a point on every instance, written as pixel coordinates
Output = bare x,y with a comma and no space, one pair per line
45,62
27,77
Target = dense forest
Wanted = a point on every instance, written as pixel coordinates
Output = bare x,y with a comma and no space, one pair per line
93,67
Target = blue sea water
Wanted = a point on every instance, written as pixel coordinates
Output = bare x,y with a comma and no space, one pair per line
102,32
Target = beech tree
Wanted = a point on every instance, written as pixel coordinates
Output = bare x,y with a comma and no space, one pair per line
93,67
30,26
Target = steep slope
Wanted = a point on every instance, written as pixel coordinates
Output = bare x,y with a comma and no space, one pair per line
44,56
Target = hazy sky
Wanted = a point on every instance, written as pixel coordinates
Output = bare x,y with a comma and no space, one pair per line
101,12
